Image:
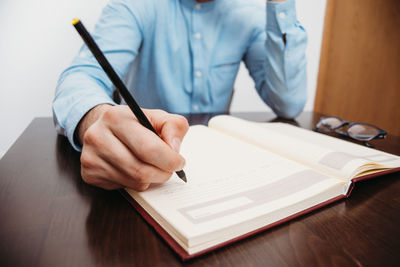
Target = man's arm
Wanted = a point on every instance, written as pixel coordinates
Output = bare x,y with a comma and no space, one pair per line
277,62
84,84
117,151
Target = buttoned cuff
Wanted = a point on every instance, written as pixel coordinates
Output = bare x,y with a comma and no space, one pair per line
79,111
281,16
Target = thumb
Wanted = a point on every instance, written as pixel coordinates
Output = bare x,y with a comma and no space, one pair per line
172,136
171,127
173,132
175,144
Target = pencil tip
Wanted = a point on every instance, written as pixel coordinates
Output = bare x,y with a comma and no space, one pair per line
182,175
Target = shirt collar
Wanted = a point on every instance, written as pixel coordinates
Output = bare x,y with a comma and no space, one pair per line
201,7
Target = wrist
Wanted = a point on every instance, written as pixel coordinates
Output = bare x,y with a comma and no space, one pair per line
90,117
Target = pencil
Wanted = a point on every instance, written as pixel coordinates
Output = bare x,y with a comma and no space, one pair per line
119,85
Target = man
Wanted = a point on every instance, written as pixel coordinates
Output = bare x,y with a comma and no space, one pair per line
179,56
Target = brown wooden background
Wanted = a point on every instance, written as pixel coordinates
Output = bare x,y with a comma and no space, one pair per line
359,76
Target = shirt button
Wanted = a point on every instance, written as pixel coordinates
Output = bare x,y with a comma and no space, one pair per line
282,15
197,35
199,73
198,6
195,107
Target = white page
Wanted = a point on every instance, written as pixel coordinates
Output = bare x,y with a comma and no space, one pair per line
335,144
330,155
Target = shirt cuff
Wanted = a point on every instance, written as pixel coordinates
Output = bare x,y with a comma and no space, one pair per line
79,111
281,16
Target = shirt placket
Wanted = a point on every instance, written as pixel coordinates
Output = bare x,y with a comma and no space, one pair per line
199,97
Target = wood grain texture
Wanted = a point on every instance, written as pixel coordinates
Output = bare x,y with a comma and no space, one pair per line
50,217
359,76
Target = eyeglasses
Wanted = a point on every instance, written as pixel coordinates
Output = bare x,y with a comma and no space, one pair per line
363,132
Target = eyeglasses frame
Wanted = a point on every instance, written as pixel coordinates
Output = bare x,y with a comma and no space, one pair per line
381,135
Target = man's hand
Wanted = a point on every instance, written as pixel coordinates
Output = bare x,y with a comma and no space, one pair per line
117,151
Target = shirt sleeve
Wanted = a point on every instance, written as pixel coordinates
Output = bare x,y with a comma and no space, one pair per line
84,85
277,62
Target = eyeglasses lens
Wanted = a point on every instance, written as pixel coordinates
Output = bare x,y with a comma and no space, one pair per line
362,132
330,123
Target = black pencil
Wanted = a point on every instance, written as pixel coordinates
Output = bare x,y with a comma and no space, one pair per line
119,85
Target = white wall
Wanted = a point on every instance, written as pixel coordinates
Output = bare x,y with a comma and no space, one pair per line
35,46
37,42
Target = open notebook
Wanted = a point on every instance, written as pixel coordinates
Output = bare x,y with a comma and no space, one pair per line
244,177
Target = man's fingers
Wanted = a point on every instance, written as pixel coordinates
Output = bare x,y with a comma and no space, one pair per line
119,157
148,147
98,172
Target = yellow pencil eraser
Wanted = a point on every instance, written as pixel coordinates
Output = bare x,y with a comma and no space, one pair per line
75,21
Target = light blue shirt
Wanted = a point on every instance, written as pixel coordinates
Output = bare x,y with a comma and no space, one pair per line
183,56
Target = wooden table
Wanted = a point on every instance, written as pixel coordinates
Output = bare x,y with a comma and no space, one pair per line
49,217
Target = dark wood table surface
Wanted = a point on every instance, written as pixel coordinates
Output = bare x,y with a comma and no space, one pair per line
49,217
